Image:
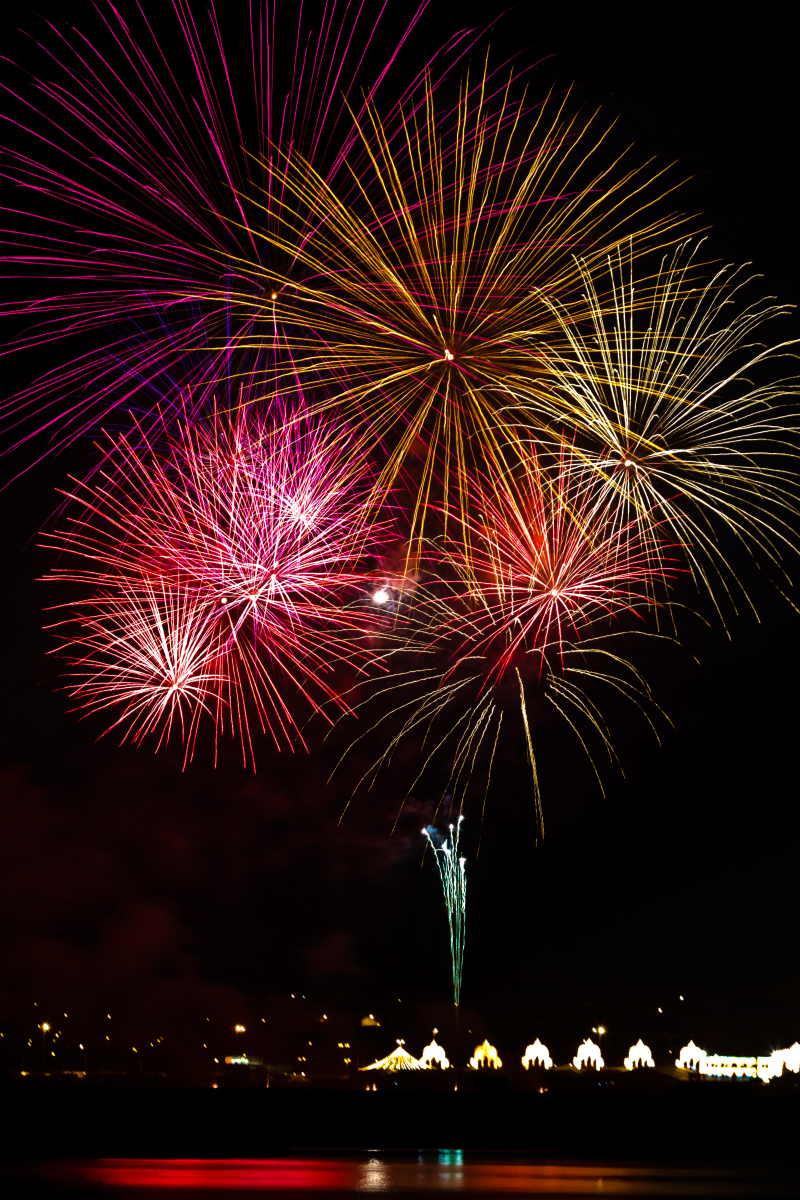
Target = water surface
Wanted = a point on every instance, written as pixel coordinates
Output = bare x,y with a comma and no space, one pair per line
398,1175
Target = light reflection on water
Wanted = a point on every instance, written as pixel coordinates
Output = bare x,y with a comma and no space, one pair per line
392,1174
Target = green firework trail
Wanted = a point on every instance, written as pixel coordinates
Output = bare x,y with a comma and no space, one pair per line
453,875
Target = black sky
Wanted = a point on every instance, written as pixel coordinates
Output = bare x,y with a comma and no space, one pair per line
127,880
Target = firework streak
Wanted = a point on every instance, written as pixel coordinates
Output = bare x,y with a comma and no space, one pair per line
453,874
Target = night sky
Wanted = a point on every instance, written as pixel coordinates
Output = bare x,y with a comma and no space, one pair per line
164,895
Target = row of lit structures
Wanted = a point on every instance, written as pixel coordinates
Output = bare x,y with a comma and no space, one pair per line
588,1057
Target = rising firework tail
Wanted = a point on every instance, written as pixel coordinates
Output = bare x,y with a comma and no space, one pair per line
453,876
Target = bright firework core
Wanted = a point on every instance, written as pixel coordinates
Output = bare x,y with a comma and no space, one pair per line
381,596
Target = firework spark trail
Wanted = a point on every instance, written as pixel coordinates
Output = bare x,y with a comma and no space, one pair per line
544,559
662,409
426,297
453,876
148,649
258,525
136,239
537,588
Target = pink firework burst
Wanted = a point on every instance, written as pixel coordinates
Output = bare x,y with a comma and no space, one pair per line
146,650
251,529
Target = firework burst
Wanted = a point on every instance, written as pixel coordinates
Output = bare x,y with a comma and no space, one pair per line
427,296
135,173
527,601
665,408
253,524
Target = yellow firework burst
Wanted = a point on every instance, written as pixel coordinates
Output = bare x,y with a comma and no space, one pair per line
421,302
676,409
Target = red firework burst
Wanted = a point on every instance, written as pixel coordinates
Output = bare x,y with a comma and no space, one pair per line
545,559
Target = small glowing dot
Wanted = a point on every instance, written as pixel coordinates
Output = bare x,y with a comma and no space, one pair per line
381,596
448,357
554,592
661,1010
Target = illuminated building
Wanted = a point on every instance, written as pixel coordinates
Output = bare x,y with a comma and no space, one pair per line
434,1056
739,1066
690,1056
588,1056
537,1055
639,1056
485,1056
790,1059
398,1060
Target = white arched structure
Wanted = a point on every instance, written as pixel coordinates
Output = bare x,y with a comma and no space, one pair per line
434,1056
588,1056
691,1056
791,1058
398,1060
537,1055
485,1056
639,1056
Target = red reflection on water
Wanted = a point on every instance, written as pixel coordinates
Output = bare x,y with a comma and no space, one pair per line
239,1173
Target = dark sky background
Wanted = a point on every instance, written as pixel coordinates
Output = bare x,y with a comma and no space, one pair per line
126,881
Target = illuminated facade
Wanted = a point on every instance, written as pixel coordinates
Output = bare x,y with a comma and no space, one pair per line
537,1055
588,1056
739,1066
398,1060
485,1056
690,1057
434,1056
639,1056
